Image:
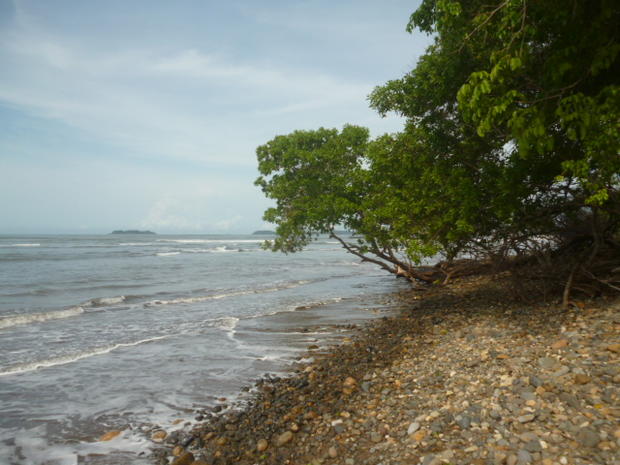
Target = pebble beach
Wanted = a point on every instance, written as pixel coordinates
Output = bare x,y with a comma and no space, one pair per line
464,374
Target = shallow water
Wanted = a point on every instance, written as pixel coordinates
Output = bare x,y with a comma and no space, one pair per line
100,333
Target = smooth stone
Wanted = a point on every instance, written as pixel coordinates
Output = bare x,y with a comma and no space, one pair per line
535,381
526,418
262,445
332,452
559,344
339,428
533,446
109,435
186,459
524,456
569,399
463,421
582,379
284,438
528,395
376,437
158,436
587,437
413,427
560,372
547,362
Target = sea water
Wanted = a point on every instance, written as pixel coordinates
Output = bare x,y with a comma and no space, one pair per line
134,332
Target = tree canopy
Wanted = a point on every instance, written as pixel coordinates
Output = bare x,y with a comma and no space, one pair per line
511,142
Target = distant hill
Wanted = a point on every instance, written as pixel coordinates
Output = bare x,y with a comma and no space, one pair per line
131,231
263,233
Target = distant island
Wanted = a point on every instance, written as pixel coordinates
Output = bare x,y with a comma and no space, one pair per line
131,231
263,233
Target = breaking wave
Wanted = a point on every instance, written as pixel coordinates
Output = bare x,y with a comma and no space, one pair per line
204,298
104,301
212,241
30,366
24,319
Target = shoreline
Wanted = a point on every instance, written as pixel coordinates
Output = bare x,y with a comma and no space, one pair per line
462,374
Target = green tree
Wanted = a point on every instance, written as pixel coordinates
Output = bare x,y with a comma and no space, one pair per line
322,181
511,144
522,100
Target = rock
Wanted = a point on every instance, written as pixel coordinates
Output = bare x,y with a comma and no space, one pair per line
413,427
429,459
177,451
349,382
547,363
339,428
533,446
559,344
512,460
159,436
535,381
561,371
526,418
365,386
109,435
463,421
261,445
186,459
613,348
419,435
523,456
528,395
569,399
332,452
582,379
284,438
587,437
376,437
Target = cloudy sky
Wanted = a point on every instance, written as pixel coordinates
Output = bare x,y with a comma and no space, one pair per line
146,113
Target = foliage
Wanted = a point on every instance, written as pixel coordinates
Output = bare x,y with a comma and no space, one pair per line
512,140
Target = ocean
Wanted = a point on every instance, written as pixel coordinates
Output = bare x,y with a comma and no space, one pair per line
139,332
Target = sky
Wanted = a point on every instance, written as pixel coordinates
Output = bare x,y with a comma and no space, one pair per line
147,113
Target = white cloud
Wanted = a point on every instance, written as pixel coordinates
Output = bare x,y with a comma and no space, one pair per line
179,106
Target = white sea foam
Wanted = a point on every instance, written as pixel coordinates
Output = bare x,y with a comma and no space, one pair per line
204,298
167,254
136,244
297,307
228,323
26,318
22,245
191,300
212,241
104,301
73,357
